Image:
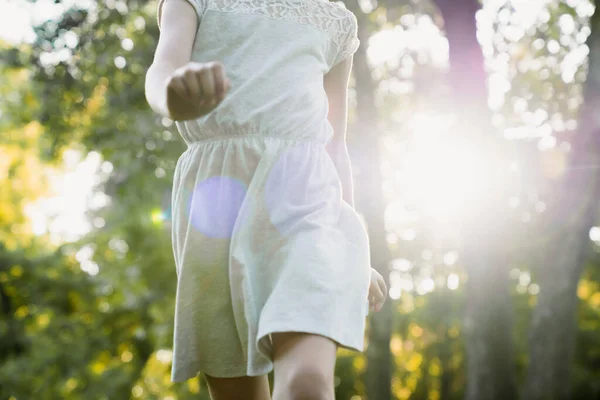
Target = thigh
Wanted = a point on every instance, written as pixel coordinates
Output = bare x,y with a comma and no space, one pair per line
242,388
301,356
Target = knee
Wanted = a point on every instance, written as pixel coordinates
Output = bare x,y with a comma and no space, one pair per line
309,383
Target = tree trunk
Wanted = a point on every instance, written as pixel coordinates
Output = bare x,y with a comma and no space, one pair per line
445,362
554,324
370,198
487,320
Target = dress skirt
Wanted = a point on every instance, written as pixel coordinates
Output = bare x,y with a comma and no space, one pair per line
263,243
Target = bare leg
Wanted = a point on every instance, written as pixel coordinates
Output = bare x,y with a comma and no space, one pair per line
304,366
242,388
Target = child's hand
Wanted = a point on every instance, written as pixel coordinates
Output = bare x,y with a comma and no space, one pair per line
377,291
196,89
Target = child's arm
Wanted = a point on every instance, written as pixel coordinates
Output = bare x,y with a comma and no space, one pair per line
176,87
178,24
336,87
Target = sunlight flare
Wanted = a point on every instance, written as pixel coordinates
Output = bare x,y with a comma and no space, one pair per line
444,173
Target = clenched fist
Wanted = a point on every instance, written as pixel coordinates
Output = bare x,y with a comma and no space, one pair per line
196,89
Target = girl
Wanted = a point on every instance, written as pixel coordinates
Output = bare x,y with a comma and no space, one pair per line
272,260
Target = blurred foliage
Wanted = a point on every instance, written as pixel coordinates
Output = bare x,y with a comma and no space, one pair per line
67,333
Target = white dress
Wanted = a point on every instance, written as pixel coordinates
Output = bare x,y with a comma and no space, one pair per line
262,240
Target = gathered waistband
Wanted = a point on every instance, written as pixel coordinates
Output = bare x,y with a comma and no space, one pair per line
194,134
262,136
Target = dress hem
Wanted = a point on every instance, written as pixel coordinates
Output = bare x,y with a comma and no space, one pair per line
234,371
341,340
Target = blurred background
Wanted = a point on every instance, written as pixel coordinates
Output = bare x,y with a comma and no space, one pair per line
474,133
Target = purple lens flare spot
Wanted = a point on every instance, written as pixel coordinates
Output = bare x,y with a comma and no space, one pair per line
285,188
300,190
214,205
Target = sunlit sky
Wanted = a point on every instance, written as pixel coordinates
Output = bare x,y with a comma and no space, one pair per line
74,188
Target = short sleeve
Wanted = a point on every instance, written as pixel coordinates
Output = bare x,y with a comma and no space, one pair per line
350,42
197,4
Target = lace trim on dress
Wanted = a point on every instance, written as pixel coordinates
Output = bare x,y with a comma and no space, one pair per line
338,22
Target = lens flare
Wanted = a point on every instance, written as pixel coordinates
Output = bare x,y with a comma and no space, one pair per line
215,204
442,173
297,186
157,216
